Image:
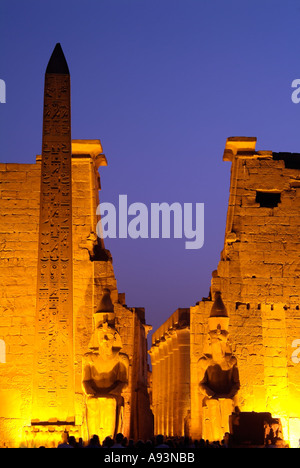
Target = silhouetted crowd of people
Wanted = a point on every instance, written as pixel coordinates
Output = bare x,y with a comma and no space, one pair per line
160,442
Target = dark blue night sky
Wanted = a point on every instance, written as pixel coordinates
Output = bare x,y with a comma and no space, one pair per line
162,84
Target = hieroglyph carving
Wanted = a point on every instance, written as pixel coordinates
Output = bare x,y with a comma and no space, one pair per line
54,388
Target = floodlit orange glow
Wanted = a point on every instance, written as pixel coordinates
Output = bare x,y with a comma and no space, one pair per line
56,380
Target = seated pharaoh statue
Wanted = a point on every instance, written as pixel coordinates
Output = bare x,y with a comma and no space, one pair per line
105,374
218,375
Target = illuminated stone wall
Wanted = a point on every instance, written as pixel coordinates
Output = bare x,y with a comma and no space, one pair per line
259,277
19,211
19,224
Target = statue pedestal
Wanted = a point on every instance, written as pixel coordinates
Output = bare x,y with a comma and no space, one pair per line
48,434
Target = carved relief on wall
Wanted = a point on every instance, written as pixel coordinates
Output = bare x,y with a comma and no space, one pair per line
53,392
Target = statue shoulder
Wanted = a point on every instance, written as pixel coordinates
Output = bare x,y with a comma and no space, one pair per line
124,359
204,361
232,360
89,358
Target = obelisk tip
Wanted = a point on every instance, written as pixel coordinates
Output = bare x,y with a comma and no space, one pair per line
57,63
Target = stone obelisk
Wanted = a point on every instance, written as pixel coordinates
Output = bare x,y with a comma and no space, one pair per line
53,386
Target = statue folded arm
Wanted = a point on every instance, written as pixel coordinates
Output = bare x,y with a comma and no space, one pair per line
219,381
203,377
88,383
94,388
235,382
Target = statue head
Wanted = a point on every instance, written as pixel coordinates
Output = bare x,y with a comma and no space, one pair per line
107,341
218,342
105,311
218,324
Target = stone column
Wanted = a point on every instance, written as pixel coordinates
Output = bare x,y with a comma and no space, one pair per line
159,390
154,361
170,389
183,402
175,385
